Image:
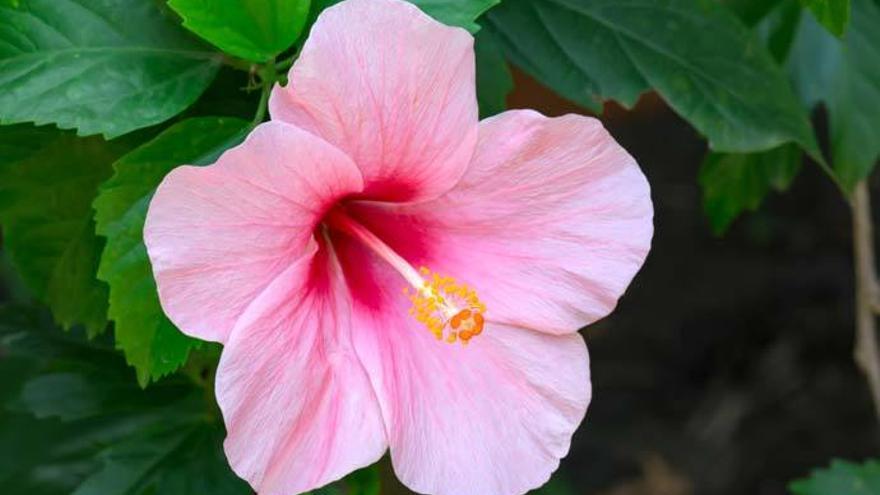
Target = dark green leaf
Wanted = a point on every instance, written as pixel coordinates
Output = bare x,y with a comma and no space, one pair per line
842,478
833,14
256,30
845,75
778,28
100,66
151,343
461,13
48,180
556,486
361,482
25,443
112,437
168,459
695,53
751,11
494,80
733,183
42,457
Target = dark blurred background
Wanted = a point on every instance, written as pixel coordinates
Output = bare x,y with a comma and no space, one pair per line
727,367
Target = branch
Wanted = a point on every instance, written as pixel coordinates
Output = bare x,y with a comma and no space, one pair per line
867,354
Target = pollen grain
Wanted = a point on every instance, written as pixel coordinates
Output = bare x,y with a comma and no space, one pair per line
451,311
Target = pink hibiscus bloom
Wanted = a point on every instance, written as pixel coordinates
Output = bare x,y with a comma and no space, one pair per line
386,272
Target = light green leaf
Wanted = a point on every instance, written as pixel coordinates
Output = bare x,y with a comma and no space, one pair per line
845,75
151,343
461,13
48,179
734,183
256,30
494,80
99,66
708,66
833,14
841,478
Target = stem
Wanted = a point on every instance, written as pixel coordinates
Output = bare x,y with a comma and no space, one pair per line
261,106
267,77
288,62
867,354
237,63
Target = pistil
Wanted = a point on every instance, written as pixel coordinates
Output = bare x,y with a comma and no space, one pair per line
449,310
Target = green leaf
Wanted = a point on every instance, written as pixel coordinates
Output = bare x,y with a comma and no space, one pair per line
778,28
751,11
494,80
100,66
733,183
168,459
256,30
845,75
708,66
364,481
461,13
48,180
841,478
150,341
833,14
43,456
105,435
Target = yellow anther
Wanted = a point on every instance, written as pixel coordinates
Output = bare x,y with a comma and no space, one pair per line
452,312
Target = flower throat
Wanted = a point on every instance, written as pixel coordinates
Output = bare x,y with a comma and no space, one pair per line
452,312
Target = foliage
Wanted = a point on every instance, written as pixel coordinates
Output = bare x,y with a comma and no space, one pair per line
841,74
733,183
841,478
494,80
86,427
257,30
97,66
457,12
833,14
151,343
694,53
844,75
48,179
79,424
462,13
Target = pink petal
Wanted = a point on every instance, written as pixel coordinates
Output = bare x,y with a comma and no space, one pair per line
218,235
493,417
394,89
550,223
298,407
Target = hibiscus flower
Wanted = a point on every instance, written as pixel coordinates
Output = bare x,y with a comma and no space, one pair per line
388,273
